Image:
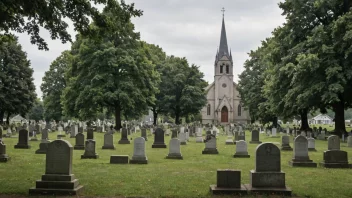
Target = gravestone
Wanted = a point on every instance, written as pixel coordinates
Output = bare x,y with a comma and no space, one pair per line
124,138
199,137
182,137
300,153
228,182
285,143
108,141
43,146
349,141
79,142
274,133
311,144
242,136
174,133
3,156
229,140
89,151
210,146
236,137
159,139
174,149
255,137
144,134
90,134
334,157
22,140
241,150
139,156
267,178
119,159
58,178
72,131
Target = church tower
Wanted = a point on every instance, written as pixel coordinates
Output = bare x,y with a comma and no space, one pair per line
223,99
223,79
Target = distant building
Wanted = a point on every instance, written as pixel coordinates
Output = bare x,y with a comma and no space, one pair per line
223,99
322,119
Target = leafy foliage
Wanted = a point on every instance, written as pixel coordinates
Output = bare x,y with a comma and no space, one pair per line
17,91
53,85
29,16
37,111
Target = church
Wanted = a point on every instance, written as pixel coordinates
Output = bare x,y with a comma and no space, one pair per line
223,99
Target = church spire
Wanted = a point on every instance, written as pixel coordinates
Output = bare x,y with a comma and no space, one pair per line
223,49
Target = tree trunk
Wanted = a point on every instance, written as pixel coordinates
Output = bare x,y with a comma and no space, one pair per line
117,117
8,119
304,120
177,118
1,117
275,122
155,116
339,109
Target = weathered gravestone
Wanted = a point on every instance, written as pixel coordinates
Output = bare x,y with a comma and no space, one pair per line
90,134
144,134
108,142
274,133
124,138
174,149
241,149
79,142
22,140
300,153
349,141
311,144
210,146
228,182
139,156
89,151
229,140
182,137
43,146
159,139
267,178
334,157
3,156
255,137
199,137
285,143
72,131
174,133
58,178
242,136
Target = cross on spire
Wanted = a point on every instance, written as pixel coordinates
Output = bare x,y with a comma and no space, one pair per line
223,11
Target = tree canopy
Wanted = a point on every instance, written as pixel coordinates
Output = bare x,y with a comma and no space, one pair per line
30,16
17,90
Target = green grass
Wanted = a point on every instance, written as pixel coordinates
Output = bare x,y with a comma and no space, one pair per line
190,177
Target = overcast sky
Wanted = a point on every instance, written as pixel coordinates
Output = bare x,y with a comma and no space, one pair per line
185,28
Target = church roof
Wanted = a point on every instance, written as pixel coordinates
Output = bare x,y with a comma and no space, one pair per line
223,49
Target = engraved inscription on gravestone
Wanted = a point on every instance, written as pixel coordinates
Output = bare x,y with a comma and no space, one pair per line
59,158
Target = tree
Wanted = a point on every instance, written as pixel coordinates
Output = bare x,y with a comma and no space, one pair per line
322,68
182,87
37,111
158,57
251,83
112,72
17,90
28,16
53,85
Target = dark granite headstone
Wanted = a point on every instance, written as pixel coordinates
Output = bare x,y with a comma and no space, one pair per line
159,139
22,140
255,137
124,137
79,142
89,151
3,156
228,182
90,134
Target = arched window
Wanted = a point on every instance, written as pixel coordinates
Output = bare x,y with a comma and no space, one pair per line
227,69
208,109
221,69
239,110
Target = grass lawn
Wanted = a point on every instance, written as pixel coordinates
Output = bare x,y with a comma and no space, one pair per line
189,177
